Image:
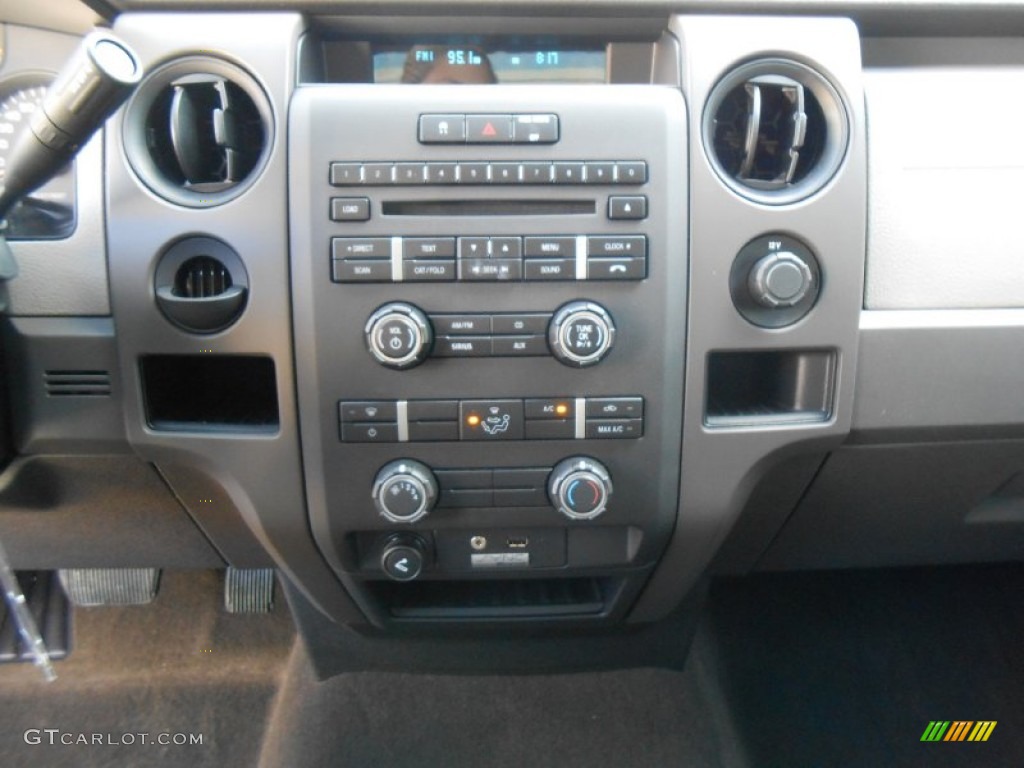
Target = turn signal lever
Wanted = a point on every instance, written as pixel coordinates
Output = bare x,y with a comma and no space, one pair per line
101,74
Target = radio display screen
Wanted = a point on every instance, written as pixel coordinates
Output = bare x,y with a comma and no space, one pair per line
430,63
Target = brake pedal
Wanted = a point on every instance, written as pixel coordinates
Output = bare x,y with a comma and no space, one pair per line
93,587
249,590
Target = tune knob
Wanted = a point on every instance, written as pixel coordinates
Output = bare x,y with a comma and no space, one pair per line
404,491
399,335
780,279
581,333
580,487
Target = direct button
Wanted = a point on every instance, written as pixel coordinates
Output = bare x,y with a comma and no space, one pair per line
361,247
350,208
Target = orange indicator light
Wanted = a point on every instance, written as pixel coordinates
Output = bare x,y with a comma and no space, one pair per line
473,420
561,409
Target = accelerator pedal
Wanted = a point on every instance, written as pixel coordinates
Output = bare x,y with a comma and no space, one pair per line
249,590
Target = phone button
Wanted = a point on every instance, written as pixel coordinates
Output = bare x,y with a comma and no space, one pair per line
621,268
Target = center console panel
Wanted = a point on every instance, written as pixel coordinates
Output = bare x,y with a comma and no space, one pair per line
490,312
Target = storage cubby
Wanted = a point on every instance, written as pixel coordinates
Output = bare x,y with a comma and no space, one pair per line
210,393
765,388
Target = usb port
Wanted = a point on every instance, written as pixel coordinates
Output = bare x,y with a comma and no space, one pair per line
517,542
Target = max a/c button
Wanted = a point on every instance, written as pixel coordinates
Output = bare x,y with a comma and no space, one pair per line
614,429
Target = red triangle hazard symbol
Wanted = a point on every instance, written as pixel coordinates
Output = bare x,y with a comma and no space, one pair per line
488,130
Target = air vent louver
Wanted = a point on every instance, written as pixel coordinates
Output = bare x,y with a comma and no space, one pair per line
201,278
775,130
77,383
198,131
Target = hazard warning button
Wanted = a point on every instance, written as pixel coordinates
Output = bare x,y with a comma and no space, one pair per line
489,129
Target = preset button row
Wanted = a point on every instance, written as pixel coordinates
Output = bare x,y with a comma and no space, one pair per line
617,172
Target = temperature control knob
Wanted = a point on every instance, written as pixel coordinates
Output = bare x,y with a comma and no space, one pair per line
581,333
399,335
404,491
580,487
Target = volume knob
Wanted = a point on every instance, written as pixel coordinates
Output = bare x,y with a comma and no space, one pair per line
580,487
399,335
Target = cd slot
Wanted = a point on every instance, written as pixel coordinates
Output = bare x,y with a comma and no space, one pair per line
489,207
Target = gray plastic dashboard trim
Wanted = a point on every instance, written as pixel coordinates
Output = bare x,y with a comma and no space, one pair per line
720,467
261,474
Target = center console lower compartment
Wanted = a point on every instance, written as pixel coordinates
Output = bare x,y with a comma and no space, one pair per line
490,344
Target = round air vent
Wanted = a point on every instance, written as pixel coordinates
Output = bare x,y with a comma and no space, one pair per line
775,131
201,285
198,131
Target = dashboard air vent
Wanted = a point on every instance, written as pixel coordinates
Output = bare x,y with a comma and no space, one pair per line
77,383
775,131
198,131
202,277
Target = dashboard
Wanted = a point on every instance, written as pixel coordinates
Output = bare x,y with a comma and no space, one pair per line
530,321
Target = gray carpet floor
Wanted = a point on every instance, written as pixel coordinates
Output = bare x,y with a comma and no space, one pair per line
804,669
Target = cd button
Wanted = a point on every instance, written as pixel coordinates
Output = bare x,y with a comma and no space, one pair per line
523,323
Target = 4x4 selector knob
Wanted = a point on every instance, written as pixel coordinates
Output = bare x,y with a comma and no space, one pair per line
581,333
404,491
580,487
399,335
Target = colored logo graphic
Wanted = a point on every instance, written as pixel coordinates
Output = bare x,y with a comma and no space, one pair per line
958,730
